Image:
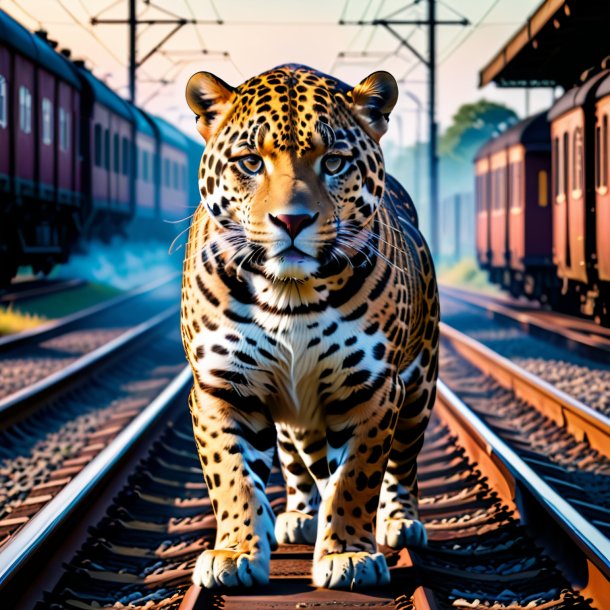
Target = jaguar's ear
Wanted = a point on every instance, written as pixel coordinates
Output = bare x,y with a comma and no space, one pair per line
209,98
373,100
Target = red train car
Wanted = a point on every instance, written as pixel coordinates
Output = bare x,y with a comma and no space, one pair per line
109,141
513,211
172,175
602,193
39,174
77,161
573,144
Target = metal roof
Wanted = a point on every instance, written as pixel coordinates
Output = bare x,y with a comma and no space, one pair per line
24,42
533,131
558,42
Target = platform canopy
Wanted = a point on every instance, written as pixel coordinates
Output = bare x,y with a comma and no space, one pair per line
561,42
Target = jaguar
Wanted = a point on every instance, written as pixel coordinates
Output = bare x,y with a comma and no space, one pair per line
309,317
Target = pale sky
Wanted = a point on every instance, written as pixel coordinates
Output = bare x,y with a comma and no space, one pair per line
260,34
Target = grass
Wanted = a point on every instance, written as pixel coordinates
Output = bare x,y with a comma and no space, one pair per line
63,303
466,274
15,321
33,312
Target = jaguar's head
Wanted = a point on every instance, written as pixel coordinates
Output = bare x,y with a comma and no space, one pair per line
292,171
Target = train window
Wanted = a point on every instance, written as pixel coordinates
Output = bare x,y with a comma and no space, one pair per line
176,177
565,164
64,130
107,149
184,178
115,153
125,156
577,163
3,102
98,145
145,166
556,172
515,171
166,173
543,189
25,110
604,151
47,121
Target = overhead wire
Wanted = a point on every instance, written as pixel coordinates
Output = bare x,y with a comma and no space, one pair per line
449,52
91,33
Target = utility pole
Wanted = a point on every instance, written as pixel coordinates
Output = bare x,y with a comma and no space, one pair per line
430,62
133,24
433,155
132,21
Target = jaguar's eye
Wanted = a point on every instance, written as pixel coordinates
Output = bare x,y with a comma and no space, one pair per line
251,165
333,164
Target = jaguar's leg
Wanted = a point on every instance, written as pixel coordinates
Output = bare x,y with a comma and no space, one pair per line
236,451
359,440
299,450
398,524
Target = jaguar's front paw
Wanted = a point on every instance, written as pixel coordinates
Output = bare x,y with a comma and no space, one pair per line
219,567
293,527
350,570
402,533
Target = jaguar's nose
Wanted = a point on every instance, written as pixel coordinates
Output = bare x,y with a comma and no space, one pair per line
293,224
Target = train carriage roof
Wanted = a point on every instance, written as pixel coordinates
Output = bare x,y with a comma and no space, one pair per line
604,88
578,96
103,94
143,124
533,132
36,48
169,134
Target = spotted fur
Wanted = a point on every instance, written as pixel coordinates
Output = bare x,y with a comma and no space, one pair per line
310,320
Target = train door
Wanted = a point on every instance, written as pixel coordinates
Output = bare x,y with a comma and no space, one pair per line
499,208
516,205
23,119
569,196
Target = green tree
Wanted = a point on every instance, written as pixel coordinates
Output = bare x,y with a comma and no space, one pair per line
473,124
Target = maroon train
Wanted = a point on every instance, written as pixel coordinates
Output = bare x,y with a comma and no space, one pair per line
76,160
543,204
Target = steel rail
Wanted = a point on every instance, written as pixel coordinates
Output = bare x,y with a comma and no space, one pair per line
578,418
51,328
80,490
14,403
590,341
517,484
40,289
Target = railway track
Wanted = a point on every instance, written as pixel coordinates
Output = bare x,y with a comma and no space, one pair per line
578,335
51,429
565,442
494,527
585,379
31,289
51,442
38,362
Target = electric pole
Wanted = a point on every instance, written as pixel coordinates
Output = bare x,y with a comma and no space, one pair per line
133,24
430,62
433,156
132,21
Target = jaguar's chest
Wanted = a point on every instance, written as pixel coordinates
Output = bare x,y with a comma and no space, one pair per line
296,364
